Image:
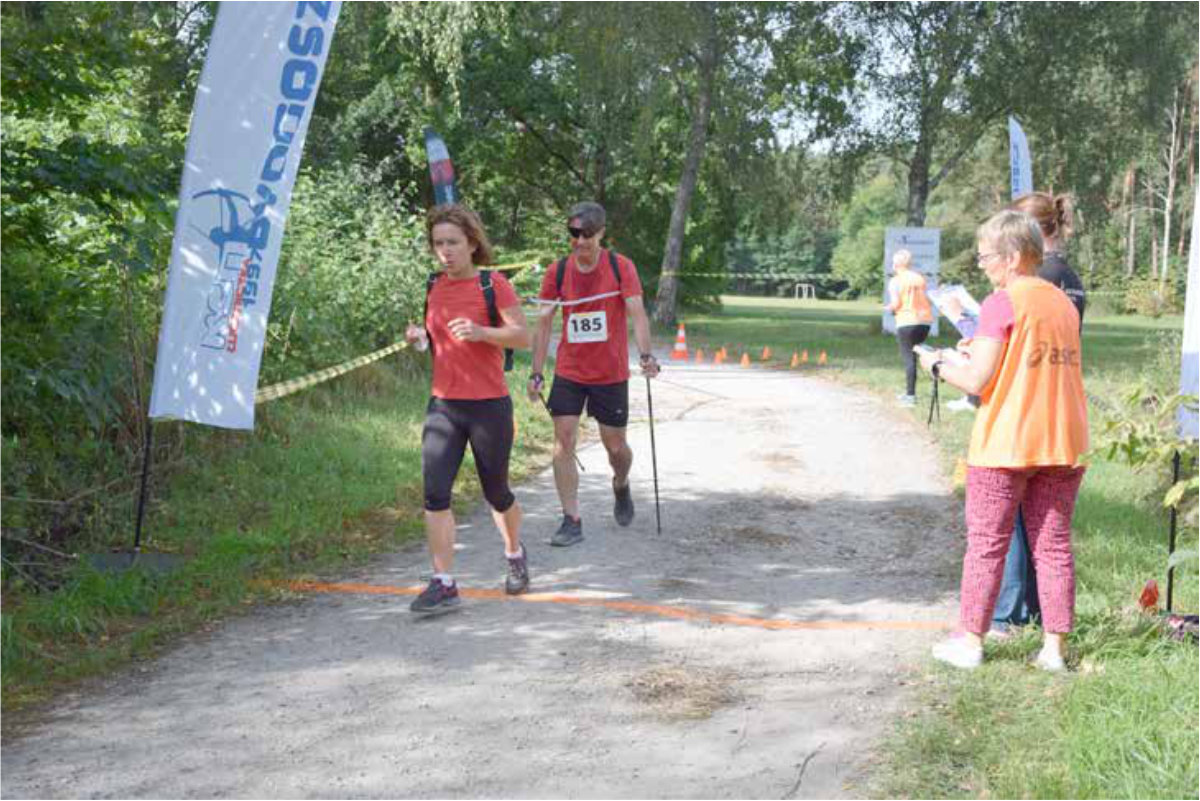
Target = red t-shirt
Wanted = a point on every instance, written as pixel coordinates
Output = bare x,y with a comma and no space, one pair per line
466,370
594,348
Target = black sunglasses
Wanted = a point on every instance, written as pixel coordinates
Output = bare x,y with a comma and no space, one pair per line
576,233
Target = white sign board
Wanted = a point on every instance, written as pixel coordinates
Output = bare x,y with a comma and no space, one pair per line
925,246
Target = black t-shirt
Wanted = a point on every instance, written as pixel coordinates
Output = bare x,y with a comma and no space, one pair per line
1056,270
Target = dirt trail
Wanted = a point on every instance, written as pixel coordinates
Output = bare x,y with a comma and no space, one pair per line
783,497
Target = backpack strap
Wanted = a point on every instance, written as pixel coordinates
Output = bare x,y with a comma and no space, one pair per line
489,297
561,273
612,262
429,282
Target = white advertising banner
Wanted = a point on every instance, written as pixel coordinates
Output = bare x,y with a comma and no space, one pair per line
1021,165
252,109
925,245
1189,371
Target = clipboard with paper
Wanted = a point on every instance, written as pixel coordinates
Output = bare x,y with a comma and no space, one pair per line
956,305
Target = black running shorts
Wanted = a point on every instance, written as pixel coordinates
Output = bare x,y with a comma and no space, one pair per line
608,403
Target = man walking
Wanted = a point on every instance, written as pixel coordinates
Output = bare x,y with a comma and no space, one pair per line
598,291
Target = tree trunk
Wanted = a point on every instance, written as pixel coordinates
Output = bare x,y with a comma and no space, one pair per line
918,184
1129,200
668,282
1172,158
1189,163
1153,230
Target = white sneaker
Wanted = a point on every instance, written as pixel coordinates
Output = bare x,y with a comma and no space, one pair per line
963,404
907,400
1050,661
955,650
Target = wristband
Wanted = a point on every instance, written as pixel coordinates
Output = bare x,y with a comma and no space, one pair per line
647,357
936,369
538,377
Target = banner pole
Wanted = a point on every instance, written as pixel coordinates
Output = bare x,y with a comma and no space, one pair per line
1171,538
141,507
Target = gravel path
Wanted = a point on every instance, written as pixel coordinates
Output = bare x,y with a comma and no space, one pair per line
784,498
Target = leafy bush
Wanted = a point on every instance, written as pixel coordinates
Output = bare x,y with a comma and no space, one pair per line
351,275
1147,296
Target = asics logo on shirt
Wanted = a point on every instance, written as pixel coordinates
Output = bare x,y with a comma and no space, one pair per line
1067,356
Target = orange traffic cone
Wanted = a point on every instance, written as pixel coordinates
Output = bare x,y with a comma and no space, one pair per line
720,357
679,353
804,356
724,353
795,360
766,354
745,360
699,355
822,359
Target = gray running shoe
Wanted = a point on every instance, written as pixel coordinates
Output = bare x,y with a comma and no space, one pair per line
436,599
569,533
623,505
517,580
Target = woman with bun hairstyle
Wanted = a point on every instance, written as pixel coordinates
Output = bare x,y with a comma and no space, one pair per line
1029,437
1018,601
469,400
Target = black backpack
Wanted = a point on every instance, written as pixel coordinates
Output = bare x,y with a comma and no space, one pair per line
561,267
489,297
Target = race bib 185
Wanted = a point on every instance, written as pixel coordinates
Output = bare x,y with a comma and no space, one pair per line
587,327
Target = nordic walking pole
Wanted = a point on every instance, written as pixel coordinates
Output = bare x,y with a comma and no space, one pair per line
576,455
653,457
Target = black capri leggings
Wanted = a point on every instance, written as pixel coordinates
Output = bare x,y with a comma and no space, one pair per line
907,336
449,426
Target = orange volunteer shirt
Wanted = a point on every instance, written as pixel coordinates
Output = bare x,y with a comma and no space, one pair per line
1033,411
914,309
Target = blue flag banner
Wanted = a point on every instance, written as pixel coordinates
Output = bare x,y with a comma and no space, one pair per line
441,170
1022,165
252,110
1189,372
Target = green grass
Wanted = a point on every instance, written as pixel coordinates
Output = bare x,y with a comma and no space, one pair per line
329,477
1123,724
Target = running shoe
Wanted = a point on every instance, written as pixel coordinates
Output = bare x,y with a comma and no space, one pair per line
955,650
436,599
517,580
569,533
963,404
1050,661
623,505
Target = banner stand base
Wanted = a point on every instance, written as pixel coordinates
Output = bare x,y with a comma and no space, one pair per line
158,564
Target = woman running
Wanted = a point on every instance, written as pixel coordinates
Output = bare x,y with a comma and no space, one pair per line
471,317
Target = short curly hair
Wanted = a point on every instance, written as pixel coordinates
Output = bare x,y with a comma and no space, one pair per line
1014,232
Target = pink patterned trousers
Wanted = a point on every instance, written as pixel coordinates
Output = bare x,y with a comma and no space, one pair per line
1047,497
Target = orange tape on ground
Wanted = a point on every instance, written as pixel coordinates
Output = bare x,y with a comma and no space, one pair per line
635,607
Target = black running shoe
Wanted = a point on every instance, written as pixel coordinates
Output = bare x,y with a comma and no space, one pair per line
436,599
623,506
517,580
569,533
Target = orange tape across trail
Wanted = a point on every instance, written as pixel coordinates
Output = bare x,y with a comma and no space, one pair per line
633,607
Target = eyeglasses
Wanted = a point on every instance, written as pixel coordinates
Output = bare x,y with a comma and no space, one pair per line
980,258
578,233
